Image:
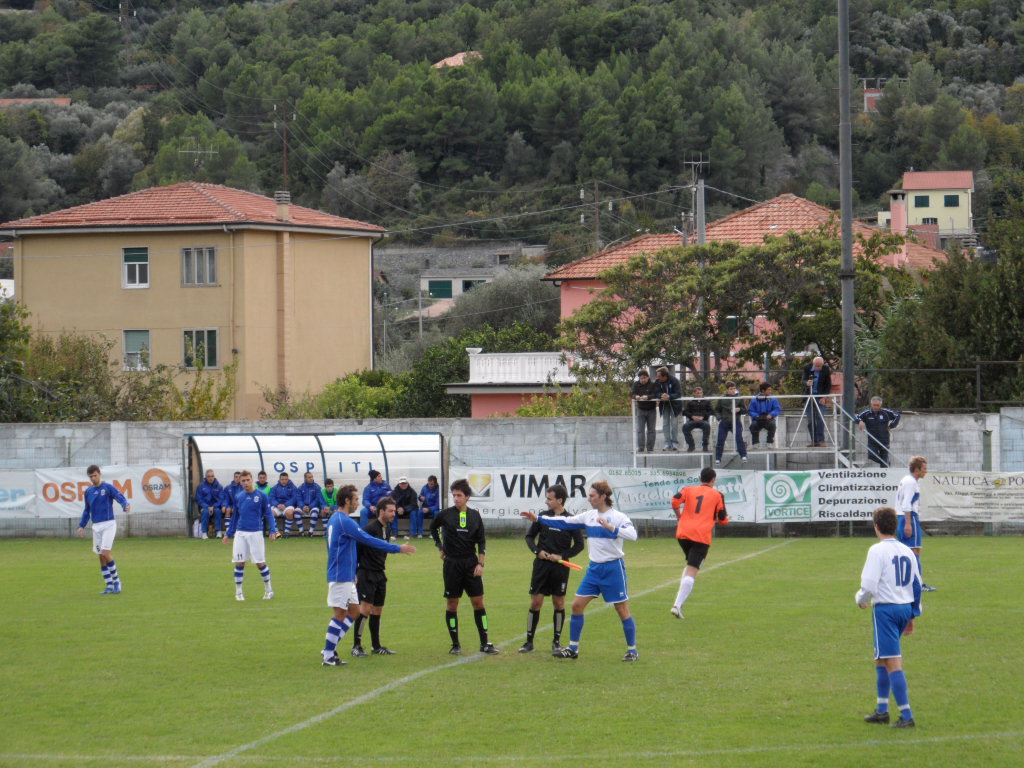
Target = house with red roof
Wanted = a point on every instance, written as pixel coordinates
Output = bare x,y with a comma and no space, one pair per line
935,206
201,275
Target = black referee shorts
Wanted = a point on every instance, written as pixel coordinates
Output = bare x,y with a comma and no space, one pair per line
695,552
371,586
459,578
549,578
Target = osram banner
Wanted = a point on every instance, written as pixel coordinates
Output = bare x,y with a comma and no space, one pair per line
639,493
825,495
977,496
17,494
148,488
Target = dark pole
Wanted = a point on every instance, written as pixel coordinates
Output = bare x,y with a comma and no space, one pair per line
846,271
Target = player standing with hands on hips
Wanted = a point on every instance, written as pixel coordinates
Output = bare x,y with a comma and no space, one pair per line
99,506
245,531
606,529
891,583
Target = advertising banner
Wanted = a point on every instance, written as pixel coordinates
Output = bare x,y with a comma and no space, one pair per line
825,495
976,496
149,489
17,494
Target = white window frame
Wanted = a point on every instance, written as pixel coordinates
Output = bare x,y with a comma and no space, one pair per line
190,271
137,361
185,350
132,269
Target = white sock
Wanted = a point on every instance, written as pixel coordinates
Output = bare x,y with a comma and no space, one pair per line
685,588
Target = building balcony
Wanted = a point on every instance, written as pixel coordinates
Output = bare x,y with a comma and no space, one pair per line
533,368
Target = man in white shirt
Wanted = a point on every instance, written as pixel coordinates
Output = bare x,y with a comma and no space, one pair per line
891,584
606,529
908,507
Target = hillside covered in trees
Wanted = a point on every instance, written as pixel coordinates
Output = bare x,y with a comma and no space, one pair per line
570,104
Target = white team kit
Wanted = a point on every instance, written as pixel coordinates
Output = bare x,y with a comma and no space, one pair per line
889,575
602,545
342,594
103,535
248,545
908,496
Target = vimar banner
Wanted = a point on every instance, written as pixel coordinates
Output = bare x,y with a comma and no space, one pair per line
977,496
148,488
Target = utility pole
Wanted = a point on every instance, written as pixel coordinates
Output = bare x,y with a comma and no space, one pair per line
284,139
697,198
846,271
598,244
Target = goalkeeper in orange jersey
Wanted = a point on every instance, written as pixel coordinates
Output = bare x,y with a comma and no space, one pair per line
698,508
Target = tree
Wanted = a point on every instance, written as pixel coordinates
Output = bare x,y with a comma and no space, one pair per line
517,295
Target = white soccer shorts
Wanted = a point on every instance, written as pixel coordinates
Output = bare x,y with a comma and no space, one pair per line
248,545
342,594
103,535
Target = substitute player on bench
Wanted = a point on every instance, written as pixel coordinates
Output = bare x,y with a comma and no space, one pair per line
549,576
698,508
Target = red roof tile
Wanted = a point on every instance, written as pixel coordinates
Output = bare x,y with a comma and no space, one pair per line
938,180
750,226
60,101
188,203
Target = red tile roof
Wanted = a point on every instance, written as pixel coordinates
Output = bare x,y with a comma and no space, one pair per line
938,180
60,101
188,203
750,226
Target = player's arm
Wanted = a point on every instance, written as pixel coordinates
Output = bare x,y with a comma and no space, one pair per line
625,530
677,503
481,542
435,531
570,523
120,499
531,537
268,514
351,529
84,519
721,516
895,422
869,579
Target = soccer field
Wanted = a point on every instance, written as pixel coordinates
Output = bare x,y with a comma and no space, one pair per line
770,667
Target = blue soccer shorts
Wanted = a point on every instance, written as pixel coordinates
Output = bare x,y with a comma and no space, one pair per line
607,580
914,539
889,621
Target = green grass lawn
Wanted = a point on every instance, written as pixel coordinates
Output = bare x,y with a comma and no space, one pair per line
771,666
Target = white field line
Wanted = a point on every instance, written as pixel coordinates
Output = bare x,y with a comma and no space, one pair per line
370,695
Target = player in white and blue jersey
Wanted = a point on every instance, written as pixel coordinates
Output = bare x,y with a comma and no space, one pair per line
908,507
245,530
342,535
99,507
891,584
606,529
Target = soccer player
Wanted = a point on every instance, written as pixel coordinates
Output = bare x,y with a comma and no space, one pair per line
549,576
701,507
908,507
459,536
283,500
208,498
891,583
99,507
245,530
372,582
309,497
606,529
343,536
227,499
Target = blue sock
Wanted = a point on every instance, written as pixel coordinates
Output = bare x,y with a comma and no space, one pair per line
105,570
313,517
882,683
265,573
575,630
112,570
239,576
629,627
335,631
901,693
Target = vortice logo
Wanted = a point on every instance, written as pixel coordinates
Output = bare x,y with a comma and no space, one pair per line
787,495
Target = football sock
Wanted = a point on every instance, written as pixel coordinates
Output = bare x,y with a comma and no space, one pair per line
901,693
265,573
112,570
882,682
559,621
105,570
288,524
357,630
575,630
239,576
335,631
685,588
629,628
451,620
313,517
532,618
375,629
480,617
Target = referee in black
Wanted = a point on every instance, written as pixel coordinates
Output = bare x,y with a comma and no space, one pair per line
459,535
549,576
372,582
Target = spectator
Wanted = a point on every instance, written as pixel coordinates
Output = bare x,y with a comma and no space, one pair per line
430,503
309,496
262,484
376,489
208,497
283,501
764,413
670,405
698,414
817,380
879,422
728,408
643,392
405,503
227,498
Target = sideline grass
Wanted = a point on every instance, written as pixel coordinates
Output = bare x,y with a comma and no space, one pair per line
771,666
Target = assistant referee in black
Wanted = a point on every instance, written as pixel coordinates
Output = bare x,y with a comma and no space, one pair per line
459,535
549,576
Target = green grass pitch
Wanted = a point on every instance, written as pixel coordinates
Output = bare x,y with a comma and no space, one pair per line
771,666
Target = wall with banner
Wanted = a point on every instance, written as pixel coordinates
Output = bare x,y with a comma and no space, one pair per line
828,495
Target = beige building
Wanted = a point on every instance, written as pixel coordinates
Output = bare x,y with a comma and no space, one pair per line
204,272
937,206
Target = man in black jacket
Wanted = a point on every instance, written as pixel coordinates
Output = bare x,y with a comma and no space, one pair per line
643,393
549,576
405,502
670,405
698,416
728,408
817,381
